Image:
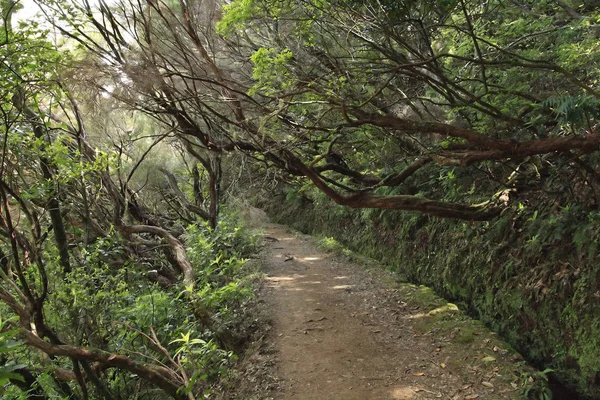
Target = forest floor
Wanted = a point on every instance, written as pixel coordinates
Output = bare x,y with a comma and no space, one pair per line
344,328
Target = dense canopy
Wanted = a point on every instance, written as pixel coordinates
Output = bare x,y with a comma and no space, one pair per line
127,125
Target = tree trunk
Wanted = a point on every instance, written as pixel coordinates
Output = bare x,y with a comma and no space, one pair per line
198,198
214,189
172,181
53,205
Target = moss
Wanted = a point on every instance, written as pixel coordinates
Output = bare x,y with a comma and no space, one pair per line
465,336
421,296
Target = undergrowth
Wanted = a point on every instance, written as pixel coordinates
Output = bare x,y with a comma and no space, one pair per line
117,308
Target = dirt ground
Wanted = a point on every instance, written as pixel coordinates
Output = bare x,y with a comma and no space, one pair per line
341,331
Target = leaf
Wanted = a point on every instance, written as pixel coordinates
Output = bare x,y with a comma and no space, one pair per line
185,338
5,376
11,368
419,374
7,372
488,359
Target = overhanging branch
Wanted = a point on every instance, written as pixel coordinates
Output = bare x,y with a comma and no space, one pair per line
399,202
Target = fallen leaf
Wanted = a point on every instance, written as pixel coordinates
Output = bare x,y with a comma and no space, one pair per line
423,390
443,365
419,373
472,396
487,384
488,359
438,349
496,348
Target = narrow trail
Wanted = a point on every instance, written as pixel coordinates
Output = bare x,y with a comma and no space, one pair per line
341,332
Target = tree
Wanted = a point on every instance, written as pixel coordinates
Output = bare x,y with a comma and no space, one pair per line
412,90
410,86
80,250
451,108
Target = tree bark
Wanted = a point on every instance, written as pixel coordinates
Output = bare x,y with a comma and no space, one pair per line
214,187
183,264
53,205
197,189
160,376
399,202
181,196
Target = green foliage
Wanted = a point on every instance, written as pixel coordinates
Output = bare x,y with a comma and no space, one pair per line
8,345
535,385
121,293
103,305
214,249
218,256
235,14
233,292
270,70
205,359
332,245
575,111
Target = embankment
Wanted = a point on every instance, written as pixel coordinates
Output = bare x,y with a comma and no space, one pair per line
532,276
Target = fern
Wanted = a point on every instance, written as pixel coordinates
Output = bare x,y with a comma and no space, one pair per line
574,110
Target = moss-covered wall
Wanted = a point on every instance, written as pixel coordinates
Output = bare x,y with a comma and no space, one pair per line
532,276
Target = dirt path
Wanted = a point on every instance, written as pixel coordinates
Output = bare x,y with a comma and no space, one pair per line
341,332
